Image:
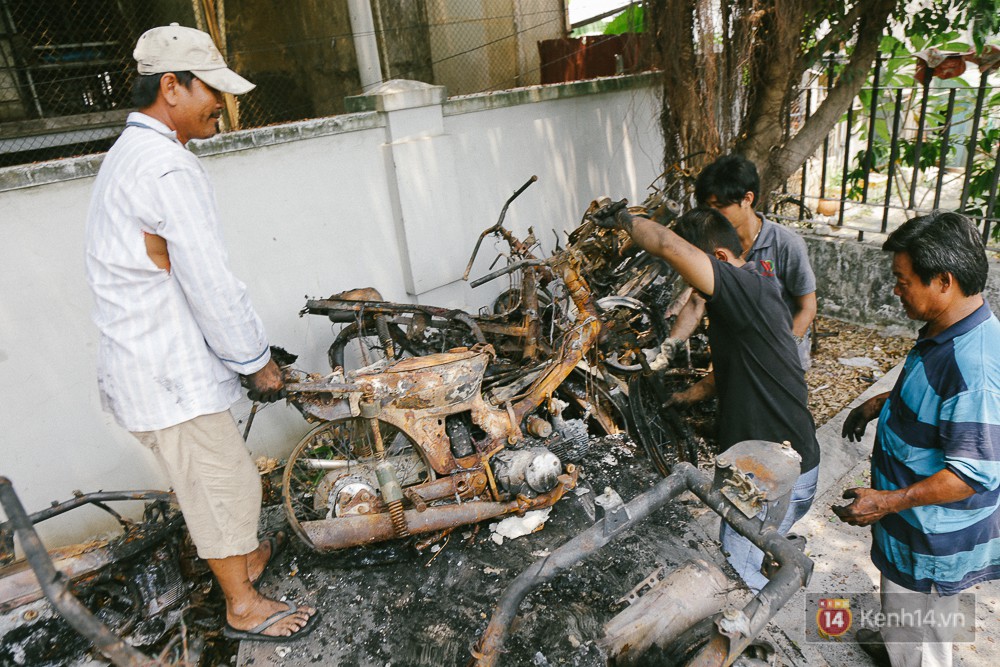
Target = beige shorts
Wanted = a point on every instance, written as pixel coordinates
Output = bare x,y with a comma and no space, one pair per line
216,482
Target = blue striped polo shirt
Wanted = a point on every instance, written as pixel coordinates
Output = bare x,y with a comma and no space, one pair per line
944,412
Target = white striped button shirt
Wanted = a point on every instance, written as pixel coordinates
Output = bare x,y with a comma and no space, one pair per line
171,342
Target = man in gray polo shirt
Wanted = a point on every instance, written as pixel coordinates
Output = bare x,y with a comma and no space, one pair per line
731,185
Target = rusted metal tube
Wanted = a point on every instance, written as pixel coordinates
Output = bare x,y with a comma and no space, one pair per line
510,268
357,530
532,318
352,531
98,497
575,345
56,590
347,310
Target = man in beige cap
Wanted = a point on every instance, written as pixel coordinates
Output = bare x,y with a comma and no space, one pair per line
177,330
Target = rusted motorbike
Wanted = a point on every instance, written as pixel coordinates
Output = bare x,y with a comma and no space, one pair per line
421,445
119,593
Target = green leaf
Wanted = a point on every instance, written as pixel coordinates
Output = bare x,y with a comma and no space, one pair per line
882,129
633,19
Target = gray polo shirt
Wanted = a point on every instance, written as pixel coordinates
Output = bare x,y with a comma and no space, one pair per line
780,255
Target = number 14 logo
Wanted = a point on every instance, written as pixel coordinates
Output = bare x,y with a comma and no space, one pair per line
833,617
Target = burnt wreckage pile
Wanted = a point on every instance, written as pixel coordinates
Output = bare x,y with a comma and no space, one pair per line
433,419
119,593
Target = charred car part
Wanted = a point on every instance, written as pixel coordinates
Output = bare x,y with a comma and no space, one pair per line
118,593
737,628
527,472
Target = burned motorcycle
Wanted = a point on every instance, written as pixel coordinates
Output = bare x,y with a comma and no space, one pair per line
128,587
420,445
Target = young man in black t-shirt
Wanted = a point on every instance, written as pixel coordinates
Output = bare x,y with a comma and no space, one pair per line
756,372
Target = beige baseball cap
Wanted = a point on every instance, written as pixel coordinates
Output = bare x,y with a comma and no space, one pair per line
174,48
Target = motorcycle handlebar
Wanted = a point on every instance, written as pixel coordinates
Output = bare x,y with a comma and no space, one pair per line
510,268
497,226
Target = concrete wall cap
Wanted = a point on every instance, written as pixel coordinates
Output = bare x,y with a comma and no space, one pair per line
398,94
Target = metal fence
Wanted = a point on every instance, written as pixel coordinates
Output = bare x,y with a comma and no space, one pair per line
64,71
66,68
917,138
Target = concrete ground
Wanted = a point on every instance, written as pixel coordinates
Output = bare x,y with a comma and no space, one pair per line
842,562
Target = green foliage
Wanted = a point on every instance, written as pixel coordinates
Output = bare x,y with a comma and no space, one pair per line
940,25
981,17
633,19
985,18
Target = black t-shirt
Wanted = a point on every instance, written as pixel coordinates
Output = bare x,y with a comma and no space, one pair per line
759,381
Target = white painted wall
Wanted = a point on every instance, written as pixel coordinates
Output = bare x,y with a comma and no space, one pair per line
309,209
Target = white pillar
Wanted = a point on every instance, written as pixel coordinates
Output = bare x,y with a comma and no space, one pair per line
365,43
423,184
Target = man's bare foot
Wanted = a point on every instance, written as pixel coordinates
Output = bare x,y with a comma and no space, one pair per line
260,558
261,609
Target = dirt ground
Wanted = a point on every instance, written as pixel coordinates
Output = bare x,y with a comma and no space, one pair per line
833,384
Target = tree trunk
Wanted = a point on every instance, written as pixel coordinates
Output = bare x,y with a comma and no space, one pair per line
690,108
775,80
777,164
732,70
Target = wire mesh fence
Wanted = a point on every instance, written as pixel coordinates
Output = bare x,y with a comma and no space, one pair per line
66,68
60,61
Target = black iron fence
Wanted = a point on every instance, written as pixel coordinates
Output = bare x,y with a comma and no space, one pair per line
923,135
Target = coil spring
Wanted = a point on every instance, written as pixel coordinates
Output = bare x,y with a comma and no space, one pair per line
398,518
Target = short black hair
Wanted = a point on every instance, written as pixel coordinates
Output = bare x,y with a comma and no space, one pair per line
708,230
146,87
943,242
729,179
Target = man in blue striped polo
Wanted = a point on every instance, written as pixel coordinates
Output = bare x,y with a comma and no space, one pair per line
933,505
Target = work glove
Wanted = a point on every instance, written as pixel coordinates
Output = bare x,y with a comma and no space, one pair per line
613,216
668,350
